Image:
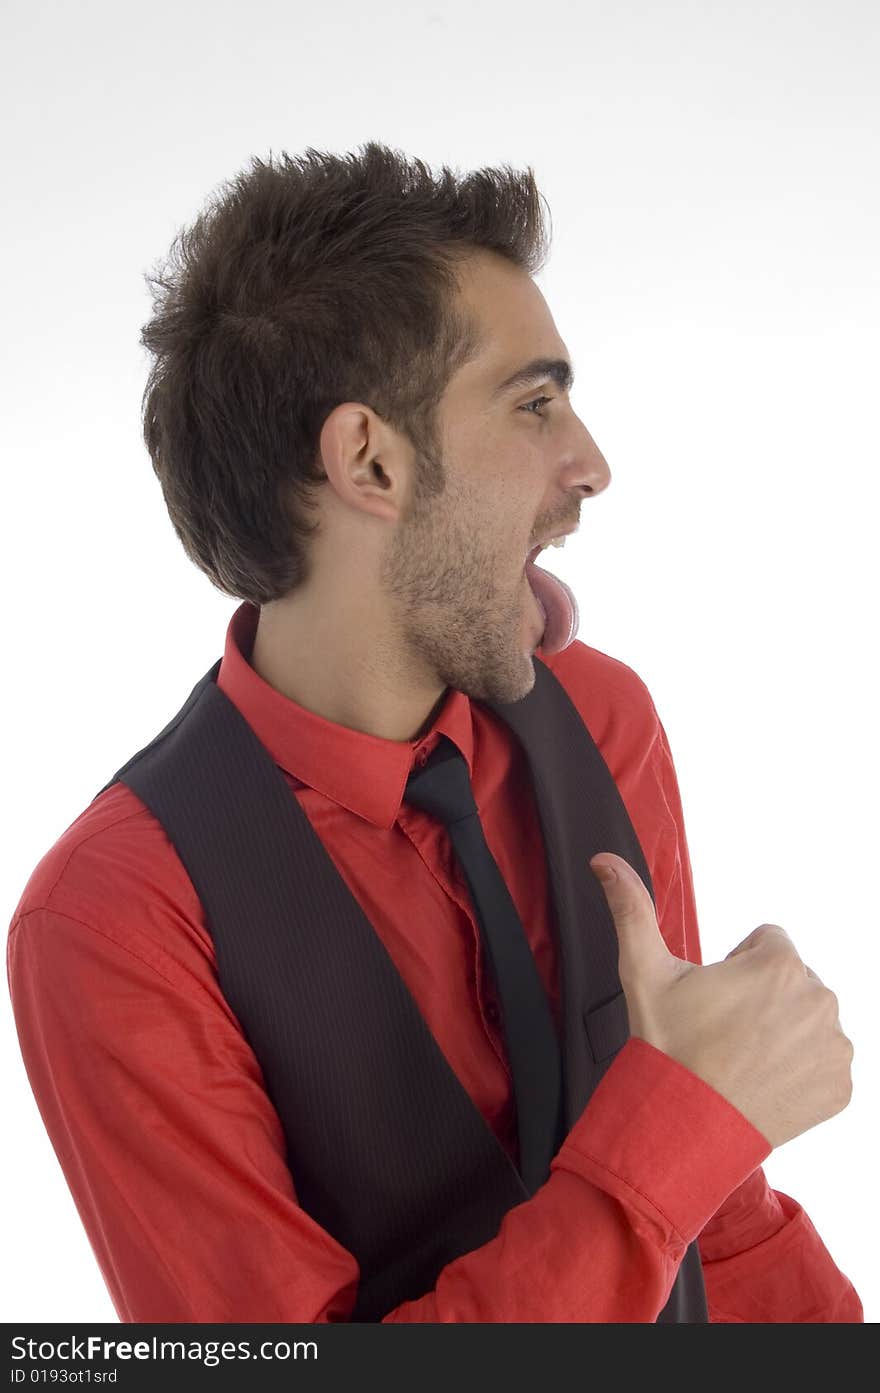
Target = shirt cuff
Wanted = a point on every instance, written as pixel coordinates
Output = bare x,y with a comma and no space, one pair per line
661,1139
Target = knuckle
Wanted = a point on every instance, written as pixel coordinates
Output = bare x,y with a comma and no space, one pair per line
828,1005
844,1081
770,933
775,942
784,961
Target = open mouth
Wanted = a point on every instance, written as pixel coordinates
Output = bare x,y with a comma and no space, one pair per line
557,541
555,600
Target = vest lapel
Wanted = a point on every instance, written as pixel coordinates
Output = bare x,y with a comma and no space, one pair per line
581,813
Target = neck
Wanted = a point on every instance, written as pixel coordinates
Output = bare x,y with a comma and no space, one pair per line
343,669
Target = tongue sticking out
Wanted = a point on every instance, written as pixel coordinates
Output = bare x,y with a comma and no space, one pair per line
559,605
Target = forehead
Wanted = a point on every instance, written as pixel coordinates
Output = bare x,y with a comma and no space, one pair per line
516,326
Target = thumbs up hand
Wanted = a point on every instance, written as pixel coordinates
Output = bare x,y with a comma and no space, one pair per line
759,1027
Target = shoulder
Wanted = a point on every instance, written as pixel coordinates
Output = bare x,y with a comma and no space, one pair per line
611,698
113,873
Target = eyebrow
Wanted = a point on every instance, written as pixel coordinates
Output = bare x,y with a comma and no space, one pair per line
559,369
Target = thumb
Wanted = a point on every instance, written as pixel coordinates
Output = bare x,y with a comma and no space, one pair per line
632,909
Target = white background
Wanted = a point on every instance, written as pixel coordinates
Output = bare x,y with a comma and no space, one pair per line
712,175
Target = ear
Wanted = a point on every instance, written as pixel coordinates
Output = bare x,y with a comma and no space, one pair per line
365,464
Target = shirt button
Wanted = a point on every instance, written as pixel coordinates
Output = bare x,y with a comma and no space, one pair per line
492,1012
422,758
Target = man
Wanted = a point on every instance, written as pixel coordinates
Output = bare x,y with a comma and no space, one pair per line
393,630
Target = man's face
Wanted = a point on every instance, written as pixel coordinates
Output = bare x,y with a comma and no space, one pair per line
517,471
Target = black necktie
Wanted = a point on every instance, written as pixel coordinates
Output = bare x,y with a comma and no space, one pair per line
443,788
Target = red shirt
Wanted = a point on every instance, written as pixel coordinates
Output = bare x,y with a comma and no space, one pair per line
173,1152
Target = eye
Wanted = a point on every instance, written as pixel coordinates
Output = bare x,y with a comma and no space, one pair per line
535,403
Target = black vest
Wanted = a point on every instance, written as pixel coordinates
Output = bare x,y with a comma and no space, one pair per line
386,1148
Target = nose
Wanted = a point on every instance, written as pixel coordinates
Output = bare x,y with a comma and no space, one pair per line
589,467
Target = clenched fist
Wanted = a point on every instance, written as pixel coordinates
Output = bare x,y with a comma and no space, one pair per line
759,1027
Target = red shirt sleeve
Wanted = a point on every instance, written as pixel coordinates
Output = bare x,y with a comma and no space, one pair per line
174,1156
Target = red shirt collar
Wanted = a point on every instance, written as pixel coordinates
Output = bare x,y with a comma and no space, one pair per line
364,773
